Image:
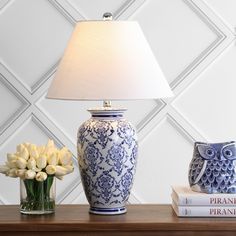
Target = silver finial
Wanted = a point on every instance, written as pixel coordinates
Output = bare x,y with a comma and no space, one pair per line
106,103
107,16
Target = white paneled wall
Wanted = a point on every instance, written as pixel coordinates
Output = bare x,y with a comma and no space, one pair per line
194,42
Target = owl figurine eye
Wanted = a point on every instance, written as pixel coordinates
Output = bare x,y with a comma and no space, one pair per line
206,152
210,152
228,152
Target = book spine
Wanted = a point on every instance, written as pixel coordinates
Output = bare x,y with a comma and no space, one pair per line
205,200
204,211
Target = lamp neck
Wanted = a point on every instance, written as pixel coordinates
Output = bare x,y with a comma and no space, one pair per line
107,114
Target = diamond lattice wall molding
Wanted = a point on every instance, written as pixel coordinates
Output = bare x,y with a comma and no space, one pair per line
33,41
207,103
163,159
16,104
3,3
178,33
99,7
225,10
75,196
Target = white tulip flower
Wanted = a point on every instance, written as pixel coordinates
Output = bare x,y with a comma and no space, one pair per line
27,145
50,148
31,164
20,147
36,162
32,146
21,173
60,171
4,169
41,176
24,153
11,157
11,164
65,157
12,173
21,163
53,159
50,151
41,150
41,161
50,169
69,168
33,152
30,174
37,169
50,144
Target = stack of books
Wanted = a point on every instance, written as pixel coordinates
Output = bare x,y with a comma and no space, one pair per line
187,203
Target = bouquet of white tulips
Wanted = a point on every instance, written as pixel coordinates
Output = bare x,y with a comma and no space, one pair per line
37,166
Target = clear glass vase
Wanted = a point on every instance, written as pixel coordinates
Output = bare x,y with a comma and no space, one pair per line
37,197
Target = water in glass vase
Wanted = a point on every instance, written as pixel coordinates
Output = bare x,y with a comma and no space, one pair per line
37,197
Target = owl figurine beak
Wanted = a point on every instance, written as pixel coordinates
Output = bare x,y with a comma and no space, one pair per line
219,156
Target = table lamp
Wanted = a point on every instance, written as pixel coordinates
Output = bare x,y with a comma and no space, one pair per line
108,60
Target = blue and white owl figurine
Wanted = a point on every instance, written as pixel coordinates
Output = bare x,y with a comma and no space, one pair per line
212,169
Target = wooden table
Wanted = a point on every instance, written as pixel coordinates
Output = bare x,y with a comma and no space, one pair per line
140,220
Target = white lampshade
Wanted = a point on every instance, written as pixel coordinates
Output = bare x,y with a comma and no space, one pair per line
108,60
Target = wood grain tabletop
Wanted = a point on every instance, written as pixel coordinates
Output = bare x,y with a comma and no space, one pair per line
139,220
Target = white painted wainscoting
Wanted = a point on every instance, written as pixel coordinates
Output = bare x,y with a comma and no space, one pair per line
194,42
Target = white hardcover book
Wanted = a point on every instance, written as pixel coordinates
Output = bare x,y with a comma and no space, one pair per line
185,196
204,211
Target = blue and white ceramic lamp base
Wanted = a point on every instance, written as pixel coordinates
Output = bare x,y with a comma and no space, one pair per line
107,154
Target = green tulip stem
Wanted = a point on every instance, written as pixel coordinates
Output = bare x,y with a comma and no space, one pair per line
38,195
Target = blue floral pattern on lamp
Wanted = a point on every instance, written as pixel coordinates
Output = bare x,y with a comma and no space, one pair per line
93,158
107,154
116,158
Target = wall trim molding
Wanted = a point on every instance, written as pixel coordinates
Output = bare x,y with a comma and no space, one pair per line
194,64
24,104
